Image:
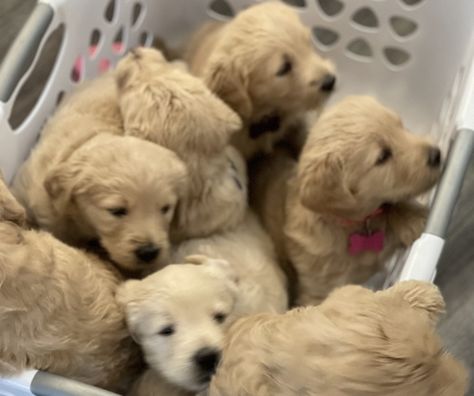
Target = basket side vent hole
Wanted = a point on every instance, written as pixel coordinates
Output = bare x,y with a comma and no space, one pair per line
412,3
296,3
366,17
136,13
331,7
326,37
402,26
221,9
396,56
110,11
361,48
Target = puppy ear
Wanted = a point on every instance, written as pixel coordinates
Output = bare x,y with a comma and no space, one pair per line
61,183
422,296
322,184
126,297
10,208
228,82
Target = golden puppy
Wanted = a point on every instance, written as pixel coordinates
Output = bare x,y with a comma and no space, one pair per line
264,66
58,312
178,315
121,191
250,252
339,213
355,343
10,209
162,103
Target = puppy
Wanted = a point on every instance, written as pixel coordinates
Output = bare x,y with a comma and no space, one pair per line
357,342
178,315
121,191
346,206
58,312
10,209
250,252
162,103
264,66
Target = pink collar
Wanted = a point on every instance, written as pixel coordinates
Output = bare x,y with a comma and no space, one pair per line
349,223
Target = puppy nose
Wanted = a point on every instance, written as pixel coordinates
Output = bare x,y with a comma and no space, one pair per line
329,81
147,253
207,359
434,157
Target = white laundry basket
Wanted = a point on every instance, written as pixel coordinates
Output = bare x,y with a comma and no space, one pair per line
414,55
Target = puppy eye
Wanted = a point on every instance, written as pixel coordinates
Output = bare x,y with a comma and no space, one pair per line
384,156
118,212
166,331
165,209
220,317
285,67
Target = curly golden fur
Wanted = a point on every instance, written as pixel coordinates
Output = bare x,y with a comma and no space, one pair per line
356,343
58,312
10,209
162,103
264,66
119,190
358,158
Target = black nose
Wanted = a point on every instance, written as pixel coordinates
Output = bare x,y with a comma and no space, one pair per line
434,157
329,82
207,360
147,253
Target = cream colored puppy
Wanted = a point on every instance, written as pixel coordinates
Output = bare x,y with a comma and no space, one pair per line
10,209
58,312
339,213
264,66
178,315
162,103
250,252
356,342
121,191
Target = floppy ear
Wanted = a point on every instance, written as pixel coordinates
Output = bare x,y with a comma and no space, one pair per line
126,294
322,184
62,182
229,83
423,296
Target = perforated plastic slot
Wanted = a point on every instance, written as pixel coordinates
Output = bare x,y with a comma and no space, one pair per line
361,49
331,7
221,8
325,36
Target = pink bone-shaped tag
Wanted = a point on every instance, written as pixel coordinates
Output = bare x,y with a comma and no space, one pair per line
359,243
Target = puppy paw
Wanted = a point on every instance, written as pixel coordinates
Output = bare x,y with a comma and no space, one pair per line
197,259
407,221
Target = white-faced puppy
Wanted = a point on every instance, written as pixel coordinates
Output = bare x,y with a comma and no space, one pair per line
121,191
264,66
58,312
178,315
250,252
348,202
164,104
356,342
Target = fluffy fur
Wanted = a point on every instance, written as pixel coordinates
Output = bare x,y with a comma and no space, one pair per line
176,314
356,343
264,66
162,103
250,252
358,157
58,312
10,209
121,191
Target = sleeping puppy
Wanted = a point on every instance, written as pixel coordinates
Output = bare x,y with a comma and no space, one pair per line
348,202
120,191
178,315
250,252
163,104
356,342
264,66
58,311
10,209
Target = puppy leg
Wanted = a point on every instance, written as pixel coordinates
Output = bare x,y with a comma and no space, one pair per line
407,221
10,209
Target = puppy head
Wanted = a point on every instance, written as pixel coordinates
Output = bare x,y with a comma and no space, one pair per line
123,191
163,103
10,209
265,62
359,156
178,316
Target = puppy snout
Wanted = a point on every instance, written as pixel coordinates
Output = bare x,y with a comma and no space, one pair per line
207,359
434,157
329,82
147,253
